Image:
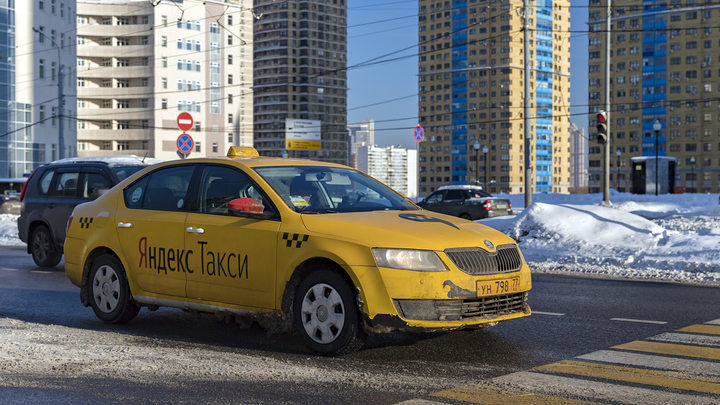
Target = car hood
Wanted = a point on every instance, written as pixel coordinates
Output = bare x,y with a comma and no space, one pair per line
404,229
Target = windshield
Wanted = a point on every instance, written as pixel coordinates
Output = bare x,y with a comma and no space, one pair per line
317,189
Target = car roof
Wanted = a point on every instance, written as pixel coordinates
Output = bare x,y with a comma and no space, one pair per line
112,161
461,187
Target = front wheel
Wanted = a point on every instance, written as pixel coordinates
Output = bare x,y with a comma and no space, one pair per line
326,316
43,249
111,299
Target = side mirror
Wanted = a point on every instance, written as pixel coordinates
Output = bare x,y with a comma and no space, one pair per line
248,208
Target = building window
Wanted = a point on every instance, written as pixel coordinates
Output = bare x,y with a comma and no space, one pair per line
230,79
106,104
229,40
123,83
230,118
215,147
41,68
163,20
123,41
106,145
197,146
123,145
163,41
230,20
123,104
164,104
229,59
42,5
123,125
164,62
41,113
230,138
230,98
164,82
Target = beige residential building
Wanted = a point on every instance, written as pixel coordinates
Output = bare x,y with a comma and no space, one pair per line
142,64
663,68
36,43
471,85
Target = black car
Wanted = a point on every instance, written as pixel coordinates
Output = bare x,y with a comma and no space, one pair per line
53,190
469,202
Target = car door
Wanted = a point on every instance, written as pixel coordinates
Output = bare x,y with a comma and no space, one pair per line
150,222
92,181
64,197
453,203
233,259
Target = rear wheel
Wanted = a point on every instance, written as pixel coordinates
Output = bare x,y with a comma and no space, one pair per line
43,249
465,215
326,316
111,299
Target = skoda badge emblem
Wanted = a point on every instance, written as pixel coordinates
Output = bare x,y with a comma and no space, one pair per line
489,245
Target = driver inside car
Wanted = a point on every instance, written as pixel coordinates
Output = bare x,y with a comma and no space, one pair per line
304,194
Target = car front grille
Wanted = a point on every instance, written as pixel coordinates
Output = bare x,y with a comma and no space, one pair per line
477,261
459,309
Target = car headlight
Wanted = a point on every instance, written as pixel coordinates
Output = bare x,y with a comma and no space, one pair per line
408,259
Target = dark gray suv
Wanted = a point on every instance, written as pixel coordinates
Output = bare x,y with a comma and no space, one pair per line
53,190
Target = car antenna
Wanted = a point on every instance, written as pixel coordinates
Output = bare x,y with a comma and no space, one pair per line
143,161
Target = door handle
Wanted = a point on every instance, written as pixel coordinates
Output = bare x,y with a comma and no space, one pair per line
195,230
124,225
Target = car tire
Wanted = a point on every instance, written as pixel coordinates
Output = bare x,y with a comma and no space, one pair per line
326,315
465,215
110,295
43,249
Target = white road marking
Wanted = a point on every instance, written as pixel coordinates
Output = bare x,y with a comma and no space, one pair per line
598,391
547,313
637,320
419,402
692,367
688,339
41,272
715,322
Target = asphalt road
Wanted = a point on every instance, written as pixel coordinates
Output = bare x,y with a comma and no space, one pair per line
571,317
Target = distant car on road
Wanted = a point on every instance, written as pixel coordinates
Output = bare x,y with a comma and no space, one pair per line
468,202
53,190
10,204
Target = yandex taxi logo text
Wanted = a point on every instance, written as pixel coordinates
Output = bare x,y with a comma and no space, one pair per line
219,264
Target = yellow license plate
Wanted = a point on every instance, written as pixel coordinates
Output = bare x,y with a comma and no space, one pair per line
495,287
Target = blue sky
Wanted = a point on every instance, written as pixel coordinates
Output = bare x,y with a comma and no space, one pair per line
387,92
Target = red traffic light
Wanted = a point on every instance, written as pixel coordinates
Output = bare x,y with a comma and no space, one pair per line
602,117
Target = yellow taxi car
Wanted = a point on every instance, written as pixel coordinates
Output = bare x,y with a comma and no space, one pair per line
301,245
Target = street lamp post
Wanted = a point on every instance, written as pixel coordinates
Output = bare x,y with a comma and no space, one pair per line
485,151
61,98
657,126
618,153
476,146
692,174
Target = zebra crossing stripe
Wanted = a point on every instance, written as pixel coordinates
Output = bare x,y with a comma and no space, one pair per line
714,322
706,329
490,396
671,349
680,365
686,338
599,391
666,379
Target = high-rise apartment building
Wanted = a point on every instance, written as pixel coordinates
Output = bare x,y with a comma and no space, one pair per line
37,42
361,134
389,165
664,68
471,85
578,160
300,73
140,64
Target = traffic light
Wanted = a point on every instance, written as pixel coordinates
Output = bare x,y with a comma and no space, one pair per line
602,128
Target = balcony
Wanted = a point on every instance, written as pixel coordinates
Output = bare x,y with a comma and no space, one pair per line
98,51
113,135
106,31
106,93
103,72
127,114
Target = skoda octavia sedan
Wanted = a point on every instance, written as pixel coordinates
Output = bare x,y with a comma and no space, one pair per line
295,245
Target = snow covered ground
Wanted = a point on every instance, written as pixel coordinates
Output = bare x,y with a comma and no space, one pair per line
673,237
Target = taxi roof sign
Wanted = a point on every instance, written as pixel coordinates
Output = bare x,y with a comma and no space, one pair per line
242,152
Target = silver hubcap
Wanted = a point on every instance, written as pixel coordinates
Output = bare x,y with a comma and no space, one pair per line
323,313
106,289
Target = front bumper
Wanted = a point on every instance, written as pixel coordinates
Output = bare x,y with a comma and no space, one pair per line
403,300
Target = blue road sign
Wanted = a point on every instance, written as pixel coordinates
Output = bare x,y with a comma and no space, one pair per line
419,133
185,143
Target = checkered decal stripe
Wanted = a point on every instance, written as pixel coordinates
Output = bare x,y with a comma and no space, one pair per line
296,237
85,222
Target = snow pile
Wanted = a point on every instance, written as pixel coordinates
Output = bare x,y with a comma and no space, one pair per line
9,230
